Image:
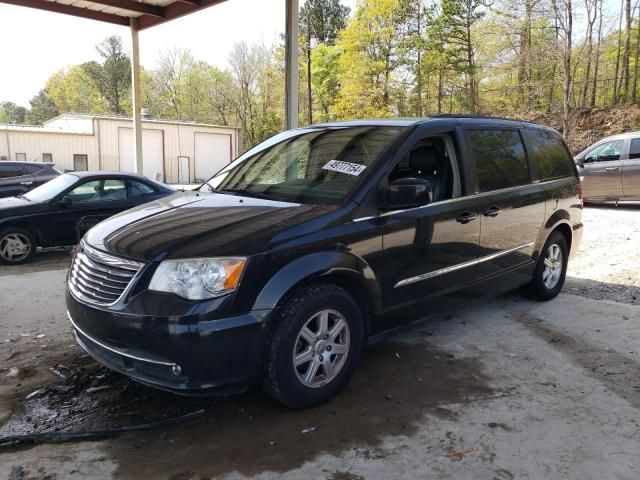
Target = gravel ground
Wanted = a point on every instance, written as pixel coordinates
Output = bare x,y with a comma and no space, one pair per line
608,262
507,389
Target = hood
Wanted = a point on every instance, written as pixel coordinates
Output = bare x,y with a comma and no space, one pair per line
14,205
194,224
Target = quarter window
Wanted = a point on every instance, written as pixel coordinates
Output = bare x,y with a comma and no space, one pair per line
500,159
139,189
10,171
550,155
607,152
634,148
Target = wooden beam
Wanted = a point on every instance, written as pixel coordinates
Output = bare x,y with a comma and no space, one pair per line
70,10
133,6
174,10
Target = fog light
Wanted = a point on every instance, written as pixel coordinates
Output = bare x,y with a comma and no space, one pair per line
177,370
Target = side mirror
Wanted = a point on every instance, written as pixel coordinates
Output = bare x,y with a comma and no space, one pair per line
408,193
579,161
65,201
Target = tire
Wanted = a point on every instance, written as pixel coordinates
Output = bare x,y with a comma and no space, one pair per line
17,246
299,386
543,287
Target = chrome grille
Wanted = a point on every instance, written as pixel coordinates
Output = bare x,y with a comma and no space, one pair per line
99,278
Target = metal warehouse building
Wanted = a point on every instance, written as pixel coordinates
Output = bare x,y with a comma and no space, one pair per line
173,152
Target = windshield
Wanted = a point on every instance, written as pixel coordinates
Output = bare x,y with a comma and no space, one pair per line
47,191
314,165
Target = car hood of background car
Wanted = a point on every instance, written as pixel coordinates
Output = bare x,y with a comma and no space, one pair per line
14,205
193,224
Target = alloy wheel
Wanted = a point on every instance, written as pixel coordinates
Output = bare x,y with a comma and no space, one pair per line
321,349
14,247
552,266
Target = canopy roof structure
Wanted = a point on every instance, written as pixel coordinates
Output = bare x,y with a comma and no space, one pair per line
142,14
147,12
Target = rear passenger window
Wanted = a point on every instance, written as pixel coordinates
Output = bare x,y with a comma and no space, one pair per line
500,159
10,171
550,155
634,148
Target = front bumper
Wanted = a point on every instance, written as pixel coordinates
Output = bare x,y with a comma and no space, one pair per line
191,356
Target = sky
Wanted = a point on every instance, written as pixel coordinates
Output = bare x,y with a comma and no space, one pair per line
35,44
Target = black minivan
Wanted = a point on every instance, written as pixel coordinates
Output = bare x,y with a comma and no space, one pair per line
321,240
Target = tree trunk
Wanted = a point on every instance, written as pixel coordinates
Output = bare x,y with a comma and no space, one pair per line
439,99
419,67
624,78
615,75
471,66
309,98
587,70
524,71
597,60
635,66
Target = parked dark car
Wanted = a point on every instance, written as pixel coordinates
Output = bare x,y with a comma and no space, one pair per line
318,242
610,169
58,212
17,178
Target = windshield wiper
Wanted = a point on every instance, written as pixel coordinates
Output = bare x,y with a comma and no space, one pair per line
248,193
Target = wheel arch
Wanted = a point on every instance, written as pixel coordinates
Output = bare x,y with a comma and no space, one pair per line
25,226
338,267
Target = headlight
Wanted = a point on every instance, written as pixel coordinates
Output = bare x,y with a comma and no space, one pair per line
198,278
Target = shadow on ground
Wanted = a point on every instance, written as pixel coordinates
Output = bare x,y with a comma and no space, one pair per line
394,387
53,259
596,290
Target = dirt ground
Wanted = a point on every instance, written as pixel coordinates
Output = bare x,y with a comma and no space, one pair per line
505,389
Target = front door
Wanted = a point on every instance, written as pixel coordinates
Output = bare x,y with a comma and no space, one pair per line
631,171
429,251
602,171
91,202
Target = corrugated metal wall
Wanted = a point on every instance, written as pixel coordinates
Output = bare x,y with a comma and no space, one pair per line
102,147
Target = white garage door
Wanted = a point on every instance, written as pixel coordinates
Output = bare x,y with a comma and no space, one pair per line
152,155
212,152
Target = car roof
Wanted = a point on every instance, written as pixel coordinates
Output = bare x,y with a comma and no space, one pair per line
479,120
85,174
123,175
14,162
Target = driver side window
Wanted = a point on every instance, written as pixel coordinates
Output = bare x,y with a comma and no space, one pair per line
433,160
607,152
99,190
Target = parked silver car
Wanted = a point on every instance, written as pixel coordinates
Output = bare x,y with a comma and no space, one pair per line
611,169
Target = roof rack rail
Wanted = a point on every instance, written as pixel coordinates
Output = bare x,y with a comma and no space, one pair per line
488,117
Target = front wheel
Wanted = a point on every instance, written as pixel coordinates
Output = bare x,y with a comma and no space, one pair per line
551,269
314,347
17,245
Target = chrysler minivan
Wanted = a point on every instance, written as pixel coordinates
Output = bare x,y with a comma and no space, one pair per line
322,240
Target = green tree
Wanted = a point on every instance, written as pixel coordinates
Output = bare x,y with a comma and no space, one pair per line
12,113
42,108
113,75
374,47
455,27
75,91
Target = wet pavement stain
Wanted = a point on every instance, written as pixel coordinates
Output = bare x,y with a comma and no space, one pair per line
394,387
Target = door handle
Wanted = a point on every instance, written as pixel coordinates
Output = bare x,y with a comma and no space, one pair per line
26,183
612,169
466,217
492,211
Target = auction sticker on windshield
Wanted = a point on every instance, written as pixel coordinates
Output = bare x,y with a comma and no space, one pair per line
349,168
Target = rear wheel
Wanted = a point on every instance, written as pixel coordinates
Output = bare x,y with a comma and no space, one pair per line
314,347
17,245
551,269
